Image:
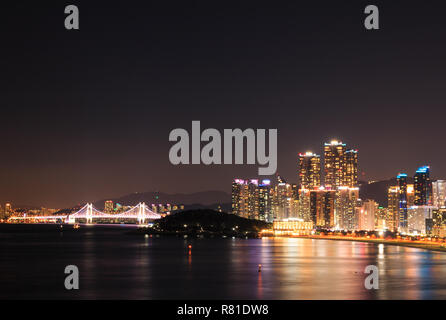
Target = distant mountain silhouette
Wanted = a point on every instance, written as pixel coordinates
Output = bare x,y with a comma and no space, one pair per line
196,200
378,190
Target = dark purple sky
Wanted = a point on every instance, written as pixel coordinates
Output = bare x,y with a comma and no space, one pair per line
86,114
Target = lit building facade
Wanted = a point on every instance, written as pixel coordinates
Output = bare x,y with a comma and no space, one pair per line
322,208
265,201
422,187
253,199
282,201
439,193
367,215
439,222
108,206
309,171
351,168
304,207
334,164
420,220
402,204
346,201
292,227
393,199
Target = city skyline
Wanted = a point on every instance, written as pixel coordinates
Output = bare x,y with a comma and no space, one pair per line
88,114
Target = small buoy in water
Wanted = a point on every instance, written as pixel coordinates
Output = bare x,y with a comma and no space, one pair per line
260,268
189,246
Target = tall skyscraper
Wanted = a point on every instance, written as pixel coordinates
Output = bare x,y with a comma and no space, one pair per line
304,207
334,164
439,222
402,201
253,199
345,208
439,193
322,208
422,187
393,200
265,201
351,168
8,210
282,197
238,203
420,220
367,215
108,207
309,171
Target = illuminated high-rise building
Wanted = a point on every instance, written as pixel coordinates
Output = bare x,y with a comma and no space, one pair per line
367,215
402,201
253,199
381,219
420,220
410,195
8,209
108,207
345,208
393,200
240,198
304,207
351,168
322,208
282,197
334,164
422,187
439,222
265,201
439,193
309,171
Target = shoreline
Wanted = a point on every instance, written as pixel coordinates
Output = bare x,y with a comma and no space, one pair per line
432,246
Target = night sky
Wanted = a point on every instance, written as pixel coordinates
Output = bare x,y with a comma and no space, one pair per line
86,114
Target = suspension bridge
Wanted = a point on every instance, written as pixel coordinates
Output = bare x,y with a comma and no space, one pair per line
139,214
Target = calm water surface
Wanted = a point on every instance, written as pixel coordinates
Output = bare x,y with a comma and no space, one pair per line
116,265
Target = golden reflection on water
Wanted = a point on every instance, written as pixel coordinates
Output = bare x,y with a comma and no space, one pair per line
326,269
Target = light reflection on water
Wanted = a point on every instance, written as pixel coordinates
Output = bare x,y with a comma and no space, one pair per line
115,265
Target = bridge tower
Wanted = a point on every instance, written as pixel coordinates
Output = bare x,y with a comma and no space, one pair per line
141,207
89,213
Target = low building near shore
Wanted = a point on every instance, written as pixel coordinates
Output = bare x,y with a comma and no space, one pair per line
292,227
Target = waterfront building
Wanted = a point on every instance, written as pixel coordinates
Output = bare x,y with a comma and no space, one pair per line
381,219
8,210
351,168
265,201
239,197
402,201
309,171
420,220
439,193
322,208
253,199
422,187
292,227
346,200
393,208
304,208
282,201
108,206
439,222
367,213
334,164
